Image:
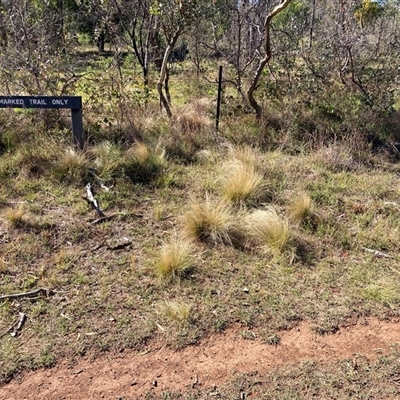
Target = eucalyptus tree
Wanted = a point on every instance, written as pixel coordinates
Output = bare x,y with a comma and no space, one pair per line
135,26
29,44
35,37
243,38
358,42
142,30
175,17
291,29
266,56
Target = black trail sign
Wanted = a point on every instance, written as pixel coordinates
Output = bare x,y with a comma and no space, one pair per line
72,102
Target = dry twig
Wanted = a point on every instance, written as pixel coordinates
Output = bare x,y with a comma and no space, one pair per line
46,292
16,326
377,253
90,199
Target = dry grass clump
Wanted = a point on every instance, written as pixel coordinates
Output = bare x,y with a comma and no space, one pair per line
72,166
271,230
16,217
187,136
108,159
210,221
246,154
35,159
174,260
206,156
3,266
241,182
337,158
253,175
176,311
23,218
193,118
300,208
144,164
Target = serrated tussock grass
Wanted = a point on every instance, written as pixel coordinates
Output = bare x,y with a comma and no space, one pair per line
144,164
108,159
35,159
337,158
176,311
79,257
16,217
71,166
300,208
269,229
193,118
241,182
189,133
174,259
246,154
210,220
251,176
22,218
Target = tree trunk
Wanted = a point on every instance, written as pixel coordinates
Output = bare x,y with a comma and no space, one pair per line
263,62
163,73
311,31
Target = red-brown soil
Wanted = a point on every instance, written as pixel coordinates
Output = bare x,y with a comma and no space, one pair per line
208,364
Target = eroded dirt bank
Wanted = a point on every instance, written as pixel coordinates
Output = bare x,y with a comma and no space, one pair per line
208,364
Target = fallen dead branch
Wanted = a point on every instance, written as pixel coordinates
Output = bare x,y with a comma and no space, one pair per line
102,219
33,293
119,244
16,326
377,253
394,270
91,200
102,184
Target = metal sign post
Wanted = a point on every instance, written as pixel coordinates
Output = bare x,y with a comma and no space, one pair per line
72,102
219,99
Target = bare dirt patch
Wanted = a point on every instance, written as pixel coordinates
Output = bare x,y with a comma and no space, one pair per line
208,364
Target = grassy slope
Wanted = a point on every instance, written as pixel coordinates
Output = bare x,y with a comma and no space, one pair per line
109,298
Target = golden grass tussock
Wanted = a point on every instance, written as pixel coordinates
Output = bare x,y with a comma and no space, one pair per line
194,118
246,154
268,228
176,311
3,266
191,121
300,208
144,154
144,164
211,221
16,217
241,182
108,158
174,259
140,151
71,166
